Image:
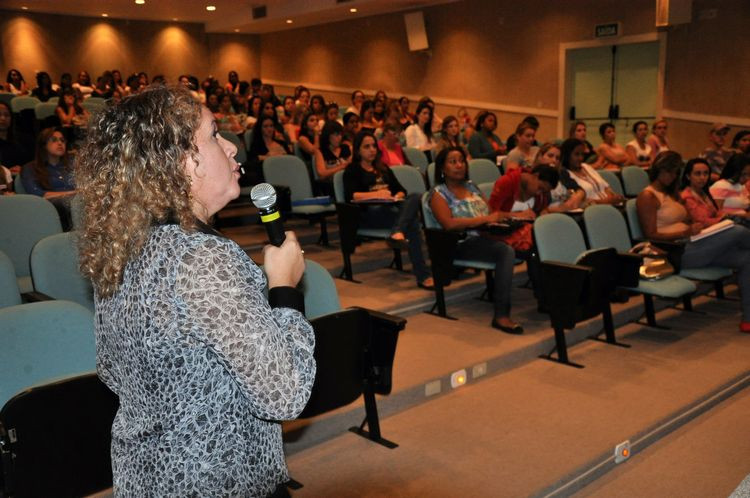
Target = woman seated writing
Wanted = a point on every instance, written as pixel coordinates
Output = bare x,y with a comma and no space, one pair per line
730,191
483,142
523,155
597,189
611,155
458,204
51,173
638,149
332,155
568,195
663,217
450,136
391,152
699,202
367,178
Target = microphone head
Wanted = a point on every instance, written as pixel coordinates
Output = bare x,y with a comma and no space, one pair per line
263,195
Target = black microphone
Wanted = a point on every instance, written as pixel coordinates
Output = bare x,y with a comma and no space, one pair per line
263,196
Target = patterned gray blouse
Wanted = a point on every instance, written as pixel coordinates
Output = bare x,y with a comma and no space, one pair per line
204,368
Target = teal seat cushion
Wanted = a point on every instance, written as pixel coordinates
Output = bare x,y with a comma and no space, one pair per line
706,274
25,284
670,287
376,233
470,263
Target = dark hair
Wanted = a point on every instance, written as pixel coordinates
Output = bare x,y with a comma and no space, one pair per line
482,117
304,130
440,163
573,127
10,128
355,92
546,174
733,169
603,128
330,128
566,150
40,158
689,169
87,78
402,98
250,106
61,101
444,128
258,145
320,99
639,123
393,126
256,82
348,117
532,120
8,78
366,106
244,87
739,136
329,106
668,160
523,126
44,81
357,159
427,128
63,78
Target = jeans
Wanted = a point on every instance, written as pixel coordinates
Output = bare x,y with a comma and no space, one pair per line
502,255
730,248
401,217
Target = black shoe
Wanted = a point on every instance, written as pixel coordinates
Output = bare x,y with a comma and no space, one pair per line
397,244
515,330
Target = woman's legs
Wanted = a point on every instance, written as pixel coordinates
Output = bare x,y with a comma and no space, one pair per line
730,248
502,255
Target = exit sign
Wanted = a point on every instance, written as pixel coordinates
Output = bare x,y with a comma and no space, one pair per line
608,29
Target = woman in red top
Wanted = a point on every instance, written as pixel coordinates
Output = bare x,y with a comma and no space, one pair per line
514,191
390,146
700,205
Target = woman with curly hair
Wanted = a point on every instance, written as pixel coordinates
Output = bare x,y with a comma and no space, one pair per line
203,364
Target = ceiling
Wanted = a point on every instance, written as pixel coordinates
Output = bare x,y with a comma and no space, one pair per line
230,16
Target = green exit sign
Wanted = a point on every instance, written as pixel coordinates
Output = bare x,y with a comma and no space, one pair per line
608,29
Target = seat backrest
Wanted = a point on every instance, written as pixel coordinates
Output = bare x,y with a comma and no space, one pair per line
25,220
96,100
321,296
605,227
340,342
614,182
18,185
416,158
431,175
634,179
338,186
9,293
44,110
483,171
44,341
6,97
289,171
54,270
18,104
410,178
631,211
558,238
241,156
429,217
92,106
248,138
74,413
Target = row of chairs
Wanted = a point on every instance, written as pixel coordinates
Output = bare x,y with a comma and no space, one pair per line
19,103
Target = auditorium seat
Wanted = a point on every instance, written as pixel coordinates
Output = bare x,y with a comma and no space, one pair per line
634,179
614,182
55,273
483,171
9,293
417,158
241,156
410,178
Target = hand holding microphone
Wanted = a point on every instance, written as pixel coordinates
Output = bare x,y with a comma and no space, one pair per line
283,259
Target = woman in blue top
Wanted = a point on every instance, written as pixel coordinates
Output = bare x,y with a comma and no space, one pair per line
484,143
458,204
50,173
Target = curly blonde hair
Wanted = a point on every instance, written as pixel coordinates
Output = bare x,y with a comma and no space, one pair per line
130,175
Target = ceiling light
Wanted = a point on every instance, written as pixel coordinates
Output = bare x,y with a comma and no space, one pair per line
210,8
105,15
353,10
236,30
24,8
289,21
140,2
175,19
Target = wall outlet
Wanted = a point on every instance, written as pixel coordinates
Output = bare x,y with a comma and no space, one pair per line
478,370
432,388
622,451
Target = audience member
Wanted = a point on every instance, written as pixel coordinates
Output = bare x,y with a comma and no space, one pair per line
332,114
450,136
741,142
437,122
459,205
333,155
381,96
287,109
367,121
523,155
233,83
293,126
610,154
267,141
318,107
43,90
351,127
696,196
567,195
730,191
308,139
716,154
368,179
391,153
72,116
531,121
597,189
638,149
268,93
226,118
407,118
120,86
66,82
255,85
578,131
15,83
663,217
84,86
516,191
12,153
302,96
484,143
253,110
357,98
378,111
419,135
50,174
658,138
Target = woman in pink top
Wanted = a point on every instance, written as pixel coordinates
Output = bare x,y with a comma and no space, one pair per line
390,145
699,203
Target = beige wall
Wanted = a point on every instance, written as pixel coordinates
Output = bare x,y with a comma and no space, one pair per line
58,44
